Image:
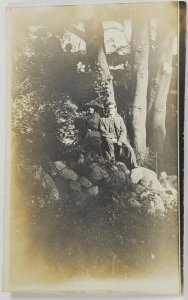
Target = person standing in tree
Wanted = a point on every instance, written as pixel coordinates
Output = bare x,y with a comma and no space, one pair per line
115,145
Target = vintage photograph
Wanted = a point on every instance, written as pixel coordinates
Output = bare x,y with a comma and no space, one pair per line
94,201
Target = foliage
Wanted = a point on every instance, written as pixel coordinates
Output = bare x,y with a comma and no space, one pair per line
43,115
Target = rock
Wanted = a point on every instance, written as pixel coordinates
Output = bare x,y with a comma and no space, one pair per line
80,149
145,194
139,189
136,175
148,173
37,172
85,182
126,196
120,175
169,185
173,180
158,204
113,168
74,186
62,186
155,206
93,190
147,178
134,203
97,173
55,167
169,200
122,167
163,176
50,187
59,165
81,159
45,183
152,184
68,174
171,191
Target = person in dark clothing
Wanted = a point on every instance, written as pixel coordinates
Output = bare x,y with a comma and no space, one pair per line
93,136
115,145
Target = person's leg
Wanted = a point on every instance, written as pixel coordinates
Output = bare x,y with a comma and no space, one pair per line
108,147
129,155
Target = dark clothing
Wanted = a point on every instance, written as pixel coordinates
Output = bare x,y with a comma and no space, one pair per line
113,127
92,121
93,137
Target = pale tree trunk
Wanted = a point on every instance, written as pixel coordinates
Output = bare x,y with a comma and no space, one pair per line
95,49
156,129
140,43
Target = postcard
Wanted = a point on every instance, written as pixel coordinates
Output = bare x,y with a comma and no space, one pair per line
94,199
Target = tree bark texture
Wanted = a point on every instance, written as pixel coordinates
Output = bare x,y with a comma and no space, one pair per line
95,49
140,43
156,129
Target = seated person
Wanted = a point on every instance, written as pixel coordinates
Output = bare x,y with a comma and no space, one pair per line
115,144
93,137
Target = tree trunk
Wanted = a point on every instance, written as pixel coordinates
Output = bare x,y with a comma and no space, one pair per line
156,129
140,84
96,54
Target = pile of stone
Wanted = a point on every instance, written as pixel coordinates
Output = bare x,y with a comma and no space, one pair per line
62,183
145,192
153,195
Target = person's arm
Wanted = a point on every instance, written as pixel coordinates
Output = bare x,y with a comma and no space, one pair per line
123,132
103,130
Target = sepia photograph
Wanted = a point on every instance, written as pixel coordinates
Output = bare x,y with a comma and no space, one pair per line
94,170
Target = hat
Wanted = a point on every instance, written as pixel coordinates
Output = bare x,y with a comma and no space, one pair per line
93,104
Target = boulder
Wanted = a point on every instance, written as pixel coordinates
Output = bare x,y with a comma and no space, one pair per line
59,165
148,173
139,189
136,175
74,186
139,173
93,190
146,178
68,174
62,185
113,168
129,195
155,205
134,203
45,183
158,204
152,184
173,180
169,200
81,159
37,172
163,176
97,173
120,175
122,167
55,167
85,182
170,184
50,187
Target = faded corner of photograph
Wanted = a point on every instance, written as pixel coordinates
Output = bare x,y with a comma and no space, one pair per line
94,200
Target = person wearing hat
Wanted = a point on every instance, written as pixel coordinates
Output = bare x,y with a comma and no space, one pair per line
115,145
